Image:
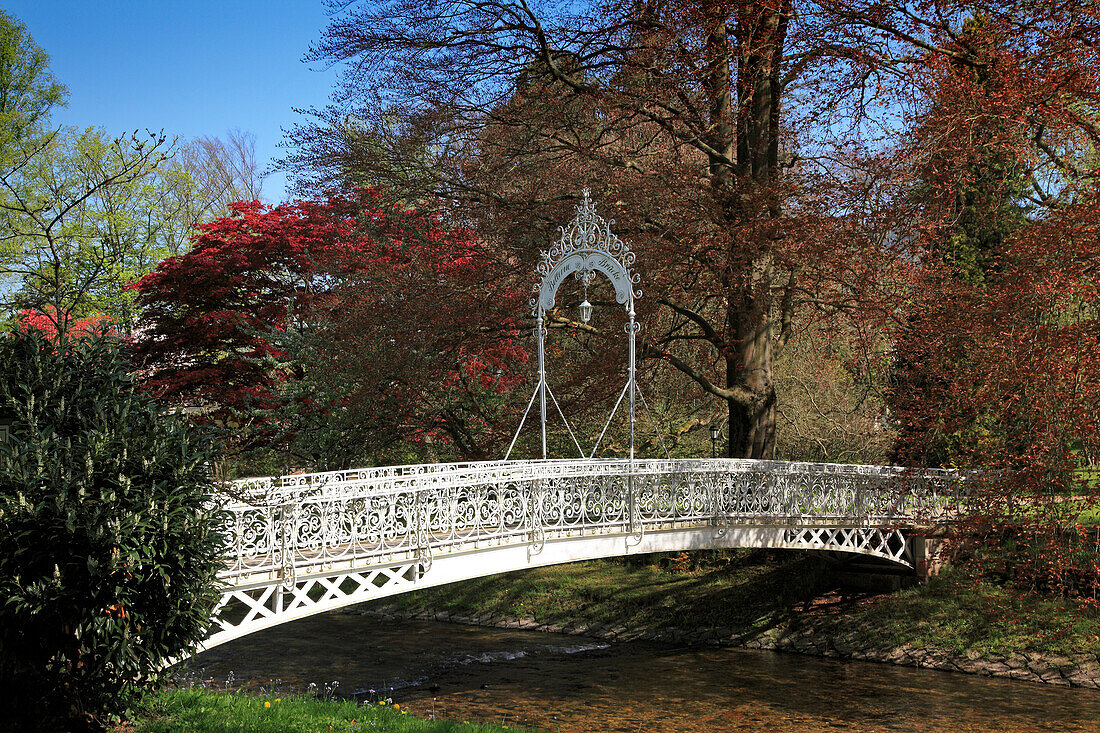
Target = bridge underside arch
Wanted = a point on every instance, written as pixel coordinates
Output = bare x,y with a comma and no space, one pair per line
247,609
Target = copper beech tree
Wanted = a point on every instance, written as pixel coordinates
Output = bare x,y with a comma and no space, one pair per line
998,350
739,146
332,328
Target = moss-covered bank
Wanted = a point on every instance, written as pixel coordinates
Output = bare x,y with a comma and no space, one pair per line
786,601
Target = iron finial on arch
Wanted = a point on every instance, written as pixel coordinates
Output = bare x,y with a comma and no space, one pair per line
586,245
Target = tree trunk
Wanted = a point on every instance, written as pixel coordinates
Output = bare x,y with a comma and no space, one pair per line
760,37
749,365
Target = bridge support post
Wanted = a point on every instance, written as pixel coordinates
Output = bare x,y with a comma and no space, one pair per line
927,558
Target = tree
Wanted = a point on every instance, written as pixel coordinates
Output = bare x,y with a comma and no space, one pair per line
671,112
81,214
116,209
994,150
971,193
317,323
406,361
731,137
69,231
831,388
997,354
623,69
28,90
222,172
110,548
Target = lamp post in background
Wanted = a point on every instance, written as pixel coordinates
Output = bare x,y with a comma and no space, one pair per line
715,433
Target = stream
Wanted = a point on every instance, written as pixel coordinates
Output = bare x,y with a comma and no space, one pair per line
570,683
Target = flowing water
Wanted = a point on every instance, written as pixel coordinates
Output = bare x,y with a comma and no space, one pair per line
570,684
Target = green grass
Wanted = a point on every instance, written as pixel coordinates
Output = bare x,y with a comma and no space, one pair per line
752,592
202,711
962,614
715,589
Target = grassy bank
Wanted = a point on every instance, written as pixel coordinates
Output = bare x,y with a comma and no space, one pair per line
751,592
204,711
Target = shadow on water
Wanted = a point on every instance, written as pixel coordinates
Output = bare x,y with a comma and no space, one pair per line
563,683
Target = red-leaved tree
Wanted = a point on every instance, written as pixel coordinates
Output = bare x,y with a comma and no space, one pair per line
998,356
331,327
47,321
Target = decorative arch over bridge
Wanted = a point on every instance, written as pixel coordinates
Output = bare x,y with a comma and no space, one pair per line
585,246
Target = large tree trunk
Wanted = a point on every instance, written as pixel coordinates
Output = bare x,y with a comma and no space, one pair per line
749,366
760,36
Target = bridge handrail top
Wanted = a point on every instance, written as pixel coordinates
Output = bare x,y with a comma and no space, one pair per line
407,470
382,481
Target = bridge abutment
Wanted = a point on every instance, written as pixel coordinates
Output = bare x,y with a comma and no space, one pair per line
927,556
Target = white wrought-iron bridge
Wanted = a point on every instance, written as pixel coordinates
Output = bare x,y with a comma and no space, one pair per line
305,544
310,543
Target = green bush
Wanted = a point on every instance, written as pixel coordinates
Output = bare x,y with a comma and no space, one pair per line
107,554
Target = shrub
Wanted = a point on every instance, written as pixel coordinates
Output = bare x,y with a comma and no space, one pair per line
108,555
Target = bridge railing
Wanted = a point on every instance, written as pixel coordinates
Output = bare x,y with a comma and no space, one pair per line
290,525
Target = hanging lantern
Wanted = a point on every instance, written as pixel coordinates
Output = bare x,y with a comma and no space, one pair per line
586,311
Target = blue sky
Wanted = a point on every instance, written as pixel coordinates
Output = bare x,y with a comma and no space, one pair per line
190,68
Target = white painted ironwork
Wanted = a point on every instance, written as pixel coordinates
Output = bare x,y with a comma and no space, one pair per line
586,245
300,545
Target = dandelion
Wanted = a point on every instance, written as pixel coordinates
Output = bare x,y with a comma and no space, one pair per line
381,702
396,706
267,703
278,699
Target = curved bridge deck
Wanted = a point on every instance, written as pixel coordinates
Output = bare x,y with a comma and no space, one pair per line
310,543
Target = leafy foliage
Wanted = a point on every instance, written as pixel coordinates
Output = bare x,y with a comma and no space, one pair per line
82,213
998,354
72,228
330,328
28,90
108,552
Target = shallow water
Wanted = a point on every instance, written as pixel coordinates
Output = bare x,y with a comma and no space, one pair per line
572,684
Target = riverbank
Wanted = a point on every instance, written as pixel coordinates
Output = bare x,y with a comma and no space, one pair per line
786,602
197,710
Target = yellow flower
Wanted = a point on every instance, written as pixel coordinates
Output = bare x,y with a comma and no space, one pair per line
278,699
267,704
396,706
404,712
381,702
